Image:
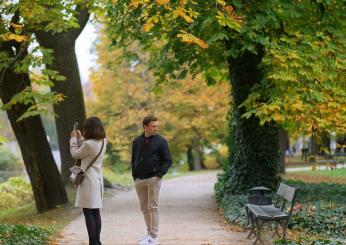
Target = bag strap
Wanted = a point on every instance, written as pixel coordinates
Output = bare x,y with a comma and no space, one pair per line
94,160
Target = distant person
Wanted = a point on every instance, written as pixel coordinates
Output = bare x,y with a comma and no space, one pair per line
150,161
90,146
288,151
305,149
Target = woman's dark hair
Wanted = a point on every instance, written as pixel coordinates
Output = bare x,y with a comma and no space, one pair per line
93,129
149,119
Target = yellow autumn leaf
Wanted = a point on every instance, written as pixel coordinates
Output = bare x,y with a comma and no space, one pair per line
191,39
229,9
297,106
16,26
148,25
136,3
221,2
187,18
183,2
12,36
277,117
179,11
162,2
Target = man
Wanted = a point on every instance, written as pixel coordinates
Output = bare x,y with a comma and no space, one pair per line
150,161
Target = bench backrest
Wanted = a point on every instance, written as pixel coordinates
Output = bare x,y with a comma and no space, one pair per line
288,194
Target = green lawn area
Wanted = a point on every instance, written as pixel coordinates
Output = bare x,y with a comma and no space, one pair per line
318,176
341,172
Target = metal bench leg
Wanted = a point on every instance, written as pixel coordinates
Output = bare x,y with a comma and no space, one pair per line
247,217
252,222
258,231
284,227
276,231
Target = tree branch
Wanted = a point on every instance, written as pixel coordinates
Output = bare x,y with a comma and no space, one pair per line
83,17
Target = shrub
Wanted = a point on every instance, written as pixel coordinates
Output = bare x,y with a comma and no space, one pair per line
321,219
14,193
234,208
323,210
24,235
308,241
8,161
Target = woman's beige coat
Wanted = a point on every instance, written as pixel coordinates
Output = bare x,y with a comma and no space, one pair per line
90,191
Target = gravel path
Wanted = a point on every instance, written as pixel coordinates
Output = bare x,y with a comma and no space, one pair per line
188,216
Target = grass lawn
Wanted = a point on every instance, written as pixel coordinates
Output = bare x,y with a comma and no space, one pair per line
341,172
318,176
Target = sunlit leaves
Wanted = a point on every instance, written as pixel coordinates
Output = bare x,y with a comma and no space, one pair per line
302,87
304,45
25,56
11,36
162,2
36,100
191,39
228,17
180,11
137,3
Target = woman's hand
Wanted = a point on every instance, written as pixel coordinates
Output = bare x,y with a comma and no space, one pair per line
79,135
76,133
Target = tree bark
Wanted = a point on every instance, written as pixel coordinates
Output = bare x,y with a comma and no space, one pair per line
46,183
190,160
72,108
325,148
283,142
197,154
254,148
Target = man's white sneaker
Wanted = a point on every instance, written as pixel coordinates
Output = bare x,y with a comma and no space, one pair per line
152,241
143,239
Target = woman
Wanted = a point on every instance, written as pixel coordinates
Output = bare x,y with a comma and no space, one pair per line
90,191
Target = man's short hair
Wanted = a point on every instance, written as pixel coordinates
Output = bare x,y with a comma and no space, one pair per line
148,119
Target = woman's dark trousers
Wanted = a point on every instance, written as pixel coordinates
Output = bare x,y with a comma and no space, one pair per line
93,224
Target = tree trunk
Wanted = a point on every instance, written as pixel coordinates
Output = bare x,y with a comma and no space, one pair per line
283,142
254,148
190,160
72,108
315,146
202,159
325,148
46,183
197,154
320,144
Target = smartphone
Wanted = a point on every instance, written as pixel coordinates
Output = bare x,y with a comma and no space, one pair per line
75,125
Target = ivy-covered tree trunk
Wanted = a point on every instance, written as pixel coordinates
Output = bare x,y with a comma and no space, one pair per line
254,148
46,183
283,144
72,108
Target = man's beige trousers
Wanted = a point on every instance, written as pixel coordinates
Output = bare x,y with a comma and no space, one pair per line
148,194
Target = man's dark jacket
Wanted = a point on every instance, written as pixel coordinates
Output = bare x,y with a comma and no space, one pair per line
151,158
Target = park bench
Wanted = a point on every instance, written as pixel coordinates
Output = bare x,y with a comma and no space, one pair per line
277,214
